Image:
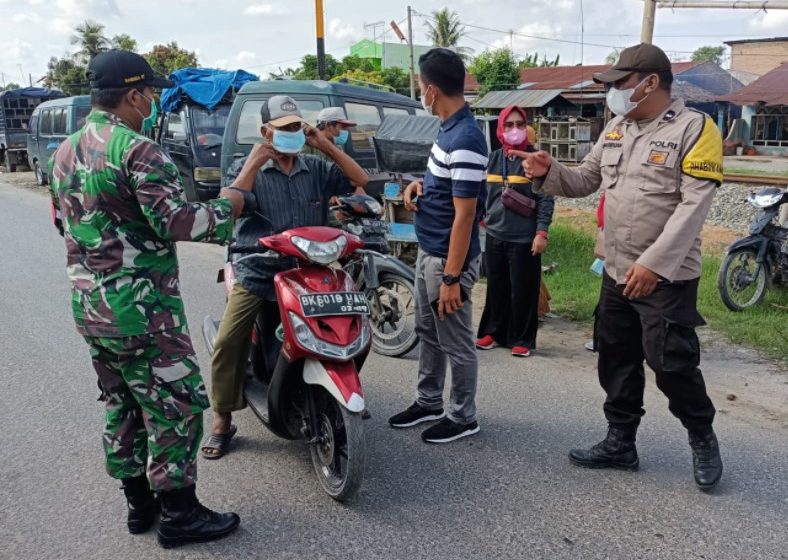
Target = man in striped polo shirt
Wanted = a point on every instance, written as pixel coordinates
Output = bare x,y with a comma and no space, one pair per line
448,205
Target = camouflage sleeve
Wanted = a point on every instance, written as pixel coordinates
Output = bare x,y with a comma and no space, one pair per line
57,218
156,182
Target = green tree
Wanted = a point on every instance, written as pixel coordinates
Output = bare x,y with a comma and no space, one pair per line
89,36
124,42
308,68
67,74
532,61
353,62
495,70
165,59
444,29
10,86
709,54
396,78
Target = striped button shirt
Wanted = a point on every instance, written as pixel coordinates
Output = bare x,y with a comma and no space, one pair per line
456,168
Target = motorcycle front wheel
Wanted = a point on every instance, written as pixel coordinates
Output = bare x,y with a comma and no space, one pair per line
339,454
393,316
742,280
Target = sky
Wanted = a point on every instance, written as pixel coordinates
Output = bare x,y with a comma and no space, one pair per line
264,36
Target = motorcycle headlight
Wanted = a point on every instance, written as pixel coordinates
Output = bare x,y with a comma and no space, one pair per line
765,200
321,252
307,339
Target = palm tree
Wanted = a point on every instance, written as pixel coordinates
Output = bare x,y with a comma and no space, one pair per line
90,38
445,30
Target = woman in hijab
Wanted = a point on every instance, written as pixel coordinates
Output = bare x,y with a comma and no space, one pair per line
517,222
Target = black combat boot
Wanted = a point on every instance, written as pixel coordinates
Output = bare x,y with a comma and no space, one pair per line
142,502
184,519
616,451
706,460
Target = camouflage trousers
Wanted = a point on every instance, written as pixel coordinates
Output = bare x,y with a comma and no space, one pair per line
154,398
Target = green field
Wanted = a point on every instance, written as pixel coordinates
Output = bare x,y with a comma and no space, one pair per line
575,291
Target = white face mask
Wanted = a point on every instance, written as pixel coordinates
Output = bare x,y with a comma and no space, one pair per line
427,108
620,100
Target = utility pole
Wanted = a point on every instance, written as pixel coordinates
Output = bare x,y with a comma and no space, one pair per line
321,43
30,77
410,46
647,29
649,6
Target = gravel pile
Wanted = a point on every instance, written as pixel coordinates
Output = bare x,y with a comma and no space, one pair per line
730,208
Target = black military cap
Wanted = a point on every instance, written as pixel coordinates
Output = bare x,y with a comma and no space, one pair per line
640,58
122,69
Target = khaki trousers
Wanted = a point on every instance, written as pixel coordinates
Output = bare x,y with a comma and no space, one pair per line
231,349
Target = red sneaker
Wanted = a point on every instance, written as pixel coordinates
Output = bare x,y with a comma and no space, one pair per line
521,351
486,342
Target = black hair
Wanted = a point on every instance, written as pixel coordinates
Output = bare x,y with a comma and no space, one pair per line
110,98
665,78
444,69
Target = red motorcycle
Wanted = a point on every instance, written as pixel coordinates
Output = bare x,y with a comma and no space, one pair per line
304,381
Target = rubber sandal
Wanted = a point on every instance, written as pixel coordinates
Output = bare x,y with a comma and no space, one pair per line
219,442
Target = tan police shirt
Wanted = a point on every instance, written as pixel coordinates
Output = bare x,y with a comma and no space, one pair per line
660,178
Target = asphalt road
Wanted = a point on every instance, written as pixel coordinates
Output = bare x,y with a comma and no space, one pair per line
507,493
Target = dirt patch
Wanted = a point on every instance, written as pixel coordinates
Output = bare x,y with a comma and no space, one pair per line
26,179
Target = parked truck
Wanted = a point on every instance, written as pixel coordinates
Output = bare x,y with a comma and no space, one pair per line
16,108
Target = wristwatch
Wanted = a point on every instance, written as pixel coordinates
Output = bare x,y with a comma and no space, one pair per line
450,280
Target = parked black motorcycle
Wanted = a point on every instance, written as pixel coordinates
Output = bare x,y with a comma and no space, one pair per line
759,260
387,282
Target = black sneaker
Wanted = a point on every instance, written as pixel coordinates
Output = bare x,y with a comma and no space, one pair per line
415,414
446,430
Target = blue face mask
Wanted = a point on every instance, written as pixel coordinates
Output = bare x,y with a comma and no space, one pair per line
289,142
341,140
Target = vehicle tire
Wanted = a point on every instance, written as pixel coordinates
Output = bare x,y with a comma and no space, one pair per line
393,316
340,457
41,179
742,281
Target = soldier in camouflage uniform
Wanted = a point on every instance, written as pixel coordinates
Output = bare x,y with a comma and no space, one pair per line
117,200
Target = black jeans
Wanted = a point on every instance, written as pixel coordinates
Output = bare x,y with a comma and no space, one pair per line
659,328
511,308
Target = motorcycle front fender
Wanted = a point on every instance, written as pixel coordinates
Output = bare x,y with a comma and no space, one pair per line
386,264
340,379
758,243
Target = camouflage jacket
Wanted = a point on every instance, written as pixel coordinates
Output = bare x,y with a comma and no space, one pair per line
118,202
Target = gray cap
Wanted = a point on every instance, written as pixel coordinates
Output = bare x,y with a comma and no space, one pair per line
281,110
334,114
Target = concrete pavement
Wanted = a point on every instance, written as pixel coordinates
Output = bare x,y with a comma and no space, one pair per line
510,492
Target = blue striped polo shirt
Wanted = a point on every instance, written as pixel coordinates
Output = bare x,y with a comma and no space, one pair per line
456,168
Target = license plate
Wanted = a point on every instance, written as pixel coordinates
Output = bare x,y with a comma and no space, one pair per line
335,303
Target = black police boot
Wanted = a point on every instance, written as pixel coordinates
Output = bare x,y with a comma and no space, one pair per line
616,451
706,460
184,519
142,502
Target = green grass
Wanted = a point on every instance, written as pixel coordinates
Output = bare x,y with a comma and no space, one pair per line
575,292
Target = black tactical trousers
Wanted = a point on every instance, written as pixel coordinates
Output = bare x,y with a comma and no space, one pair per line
659,328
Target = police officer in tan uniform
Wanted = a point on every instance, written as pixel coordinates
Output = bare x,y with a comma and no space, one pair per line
659,164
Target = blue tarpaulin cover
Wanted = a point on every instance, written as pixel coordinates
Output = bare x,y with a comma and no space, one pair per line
33,92
205,86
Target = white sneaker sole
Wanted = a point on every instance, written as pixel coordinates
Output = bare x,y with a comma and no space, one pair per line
489,347
455,438
521,355
421,420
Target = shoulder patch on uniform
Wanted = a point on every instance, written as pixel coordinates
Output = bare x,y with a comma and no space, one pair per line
704,159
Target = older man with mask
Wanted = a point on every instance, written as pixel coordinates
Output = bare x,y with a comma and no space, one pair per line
289,190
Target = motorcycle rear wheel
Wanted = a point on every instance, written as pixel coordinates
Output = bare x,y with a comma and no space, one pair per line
339,458
393,318
742,280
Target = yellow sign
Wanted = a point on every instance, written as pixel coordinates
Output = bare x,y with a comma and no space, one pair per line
614,135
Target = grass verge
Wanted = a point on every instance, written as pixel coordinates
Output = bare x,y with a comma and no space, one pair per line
575,291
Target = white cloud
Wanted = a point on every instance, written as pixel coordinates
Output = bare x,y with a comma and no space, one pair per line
266,10
339,30
245,57
70,13
771,21
28,18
